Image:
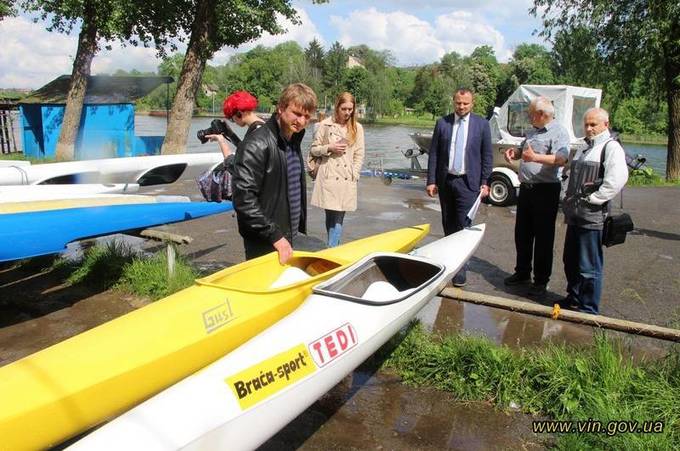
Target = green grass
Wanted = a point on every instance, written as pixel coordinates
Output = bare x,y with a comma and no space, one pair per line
660,140
21,156
424,121
117,265
563,383
649,177
149,277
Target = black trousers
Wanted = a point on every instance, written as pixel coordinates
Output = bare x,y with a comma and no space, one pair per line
535,229
256,248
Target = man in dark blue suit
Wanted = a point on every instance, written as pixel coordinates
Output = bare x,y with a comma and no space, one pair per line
459,165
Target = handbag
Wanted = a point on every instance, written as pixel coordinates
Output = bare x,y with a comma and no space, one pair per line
215,185
313,164
615,229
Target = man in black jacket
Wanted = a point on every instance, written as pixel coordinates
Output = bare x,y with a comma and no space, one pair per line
269,178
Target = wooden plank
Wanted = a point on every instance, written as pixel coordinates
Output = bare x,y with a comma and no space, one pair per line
604,322
159,235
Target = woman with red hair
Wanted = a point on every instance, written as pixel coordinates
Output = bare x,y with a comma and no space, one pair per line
338,151
239,107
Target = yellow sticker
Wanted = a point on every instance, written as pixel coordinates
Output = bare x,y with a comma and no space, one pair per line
268,377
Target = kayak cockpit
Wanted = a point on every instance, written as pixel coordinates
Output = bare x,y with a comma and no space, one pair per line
265,274
381,279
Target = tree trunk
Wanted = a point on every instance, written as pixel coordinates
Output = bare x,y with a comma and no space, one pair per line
198,52
673,157
672,73
87,48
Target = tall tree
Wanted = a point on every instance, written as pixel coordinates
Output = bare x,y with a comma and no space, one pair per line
6,8
215,24
334,66
635,36
100,21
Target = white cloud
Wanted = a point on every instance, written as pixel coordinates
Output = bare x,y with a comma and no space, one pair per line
302,33
416,41
30,56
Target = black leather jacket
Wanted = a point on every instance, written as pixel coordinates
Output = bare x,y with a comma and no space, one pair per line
260,185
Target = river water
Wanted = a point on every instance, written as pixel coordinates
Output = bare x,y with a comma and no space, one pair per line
384,143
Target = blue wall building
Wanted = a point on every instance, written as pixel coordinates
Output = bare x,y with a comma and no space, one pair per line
107,123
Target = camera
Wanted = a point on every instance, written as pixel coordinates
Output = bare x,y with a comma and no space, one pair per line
218,127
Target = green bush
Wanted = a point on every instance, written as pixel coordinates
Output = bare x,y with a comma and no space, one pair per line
149,276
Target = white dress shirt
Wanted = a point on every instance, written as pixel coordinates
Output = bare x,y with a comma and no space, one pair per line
465,123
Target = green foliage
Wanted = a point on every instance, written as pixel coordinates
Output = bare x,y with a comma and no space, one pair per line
7,8
644,177
101,266
149,277
334,66
565,383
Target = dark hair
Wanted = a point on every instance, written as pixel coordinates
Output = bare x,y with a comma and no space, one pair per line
463,91
239,101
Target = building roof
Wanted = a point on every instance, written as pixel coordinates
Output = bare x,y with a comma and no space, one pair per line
101,89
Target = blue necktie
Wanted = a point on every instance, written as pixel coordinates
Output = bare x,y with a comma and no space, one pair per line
459,148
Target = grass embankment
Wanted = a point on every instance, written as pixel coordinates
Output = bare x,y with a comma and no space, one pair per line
21,156
565,383
118,266
657,140
410,120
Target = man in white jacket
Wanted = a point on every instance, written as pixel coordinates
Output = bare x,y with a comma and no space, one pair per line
594,180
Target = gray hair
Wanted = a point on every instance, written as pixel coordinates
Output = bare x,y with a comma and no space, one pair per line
543,105
601,113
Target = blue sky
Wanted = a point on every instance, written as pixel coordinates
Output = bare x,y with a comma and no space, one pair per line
415,32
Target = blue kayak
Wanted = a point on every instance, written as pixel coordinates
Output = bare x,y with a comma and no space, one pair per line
29,234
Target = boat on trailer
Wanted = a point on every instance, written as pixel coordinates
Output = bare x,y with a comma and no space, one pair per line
65,389
248,395
144,170
92,200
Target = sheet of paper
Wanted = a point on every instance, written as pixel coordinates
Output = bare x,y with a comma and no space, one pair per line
473,211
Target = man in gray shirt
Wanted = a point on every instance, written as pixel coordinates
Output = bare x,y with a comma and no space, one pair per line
544,150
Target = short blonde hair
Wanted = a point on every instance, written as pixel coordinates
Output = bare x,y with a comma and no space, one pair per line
299,94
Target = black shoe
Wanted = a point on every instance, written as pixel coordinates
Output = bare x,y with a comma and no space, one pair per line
569,304
517,279
459,280
538,289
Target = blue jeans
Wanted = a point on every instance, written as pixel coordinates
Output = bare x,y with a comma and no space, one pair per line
334,226
583,261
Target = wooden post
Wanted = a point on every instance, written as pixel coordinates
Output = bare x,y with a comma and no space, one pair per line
604,322
170,239
171,260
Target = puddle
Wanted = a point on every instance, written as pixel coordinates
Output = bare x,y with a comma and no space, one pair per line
520,330
421,204
381,413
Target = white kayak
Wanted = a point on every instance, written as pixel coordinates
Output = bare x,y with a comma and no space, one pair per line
247,396
145,171
23,193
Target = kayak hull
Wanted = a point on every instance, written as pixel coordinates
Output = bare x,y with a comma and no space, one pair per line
248,395
23,235
80,382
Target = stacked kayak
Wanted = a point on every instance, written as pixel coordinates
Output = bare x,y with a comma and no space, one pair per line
145,171
63,390
245,397
23,193
93,200
32,233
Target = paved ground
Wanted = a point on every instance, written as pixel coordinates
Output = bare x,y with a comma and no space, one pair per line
642,276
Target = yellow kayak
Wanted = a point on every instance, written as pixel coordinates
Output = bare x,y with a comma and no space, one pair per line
96,200
67,388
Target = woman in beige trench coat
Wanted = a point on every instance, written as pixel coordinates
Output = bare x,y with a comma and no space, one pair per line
338,148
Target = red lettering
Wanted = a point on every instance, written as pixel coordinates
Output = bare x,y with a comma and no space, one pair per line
317,348
330,345
342,340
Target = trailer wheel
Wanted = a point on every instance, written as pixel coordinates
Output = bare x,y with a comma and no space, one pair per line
387,181
501,191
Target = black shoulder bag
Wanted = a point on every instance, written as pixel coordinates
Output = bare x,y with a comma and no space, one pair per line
615,226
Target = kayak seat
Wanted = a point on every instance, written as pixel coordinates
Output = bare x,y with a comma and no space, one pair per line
380,291
289,276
